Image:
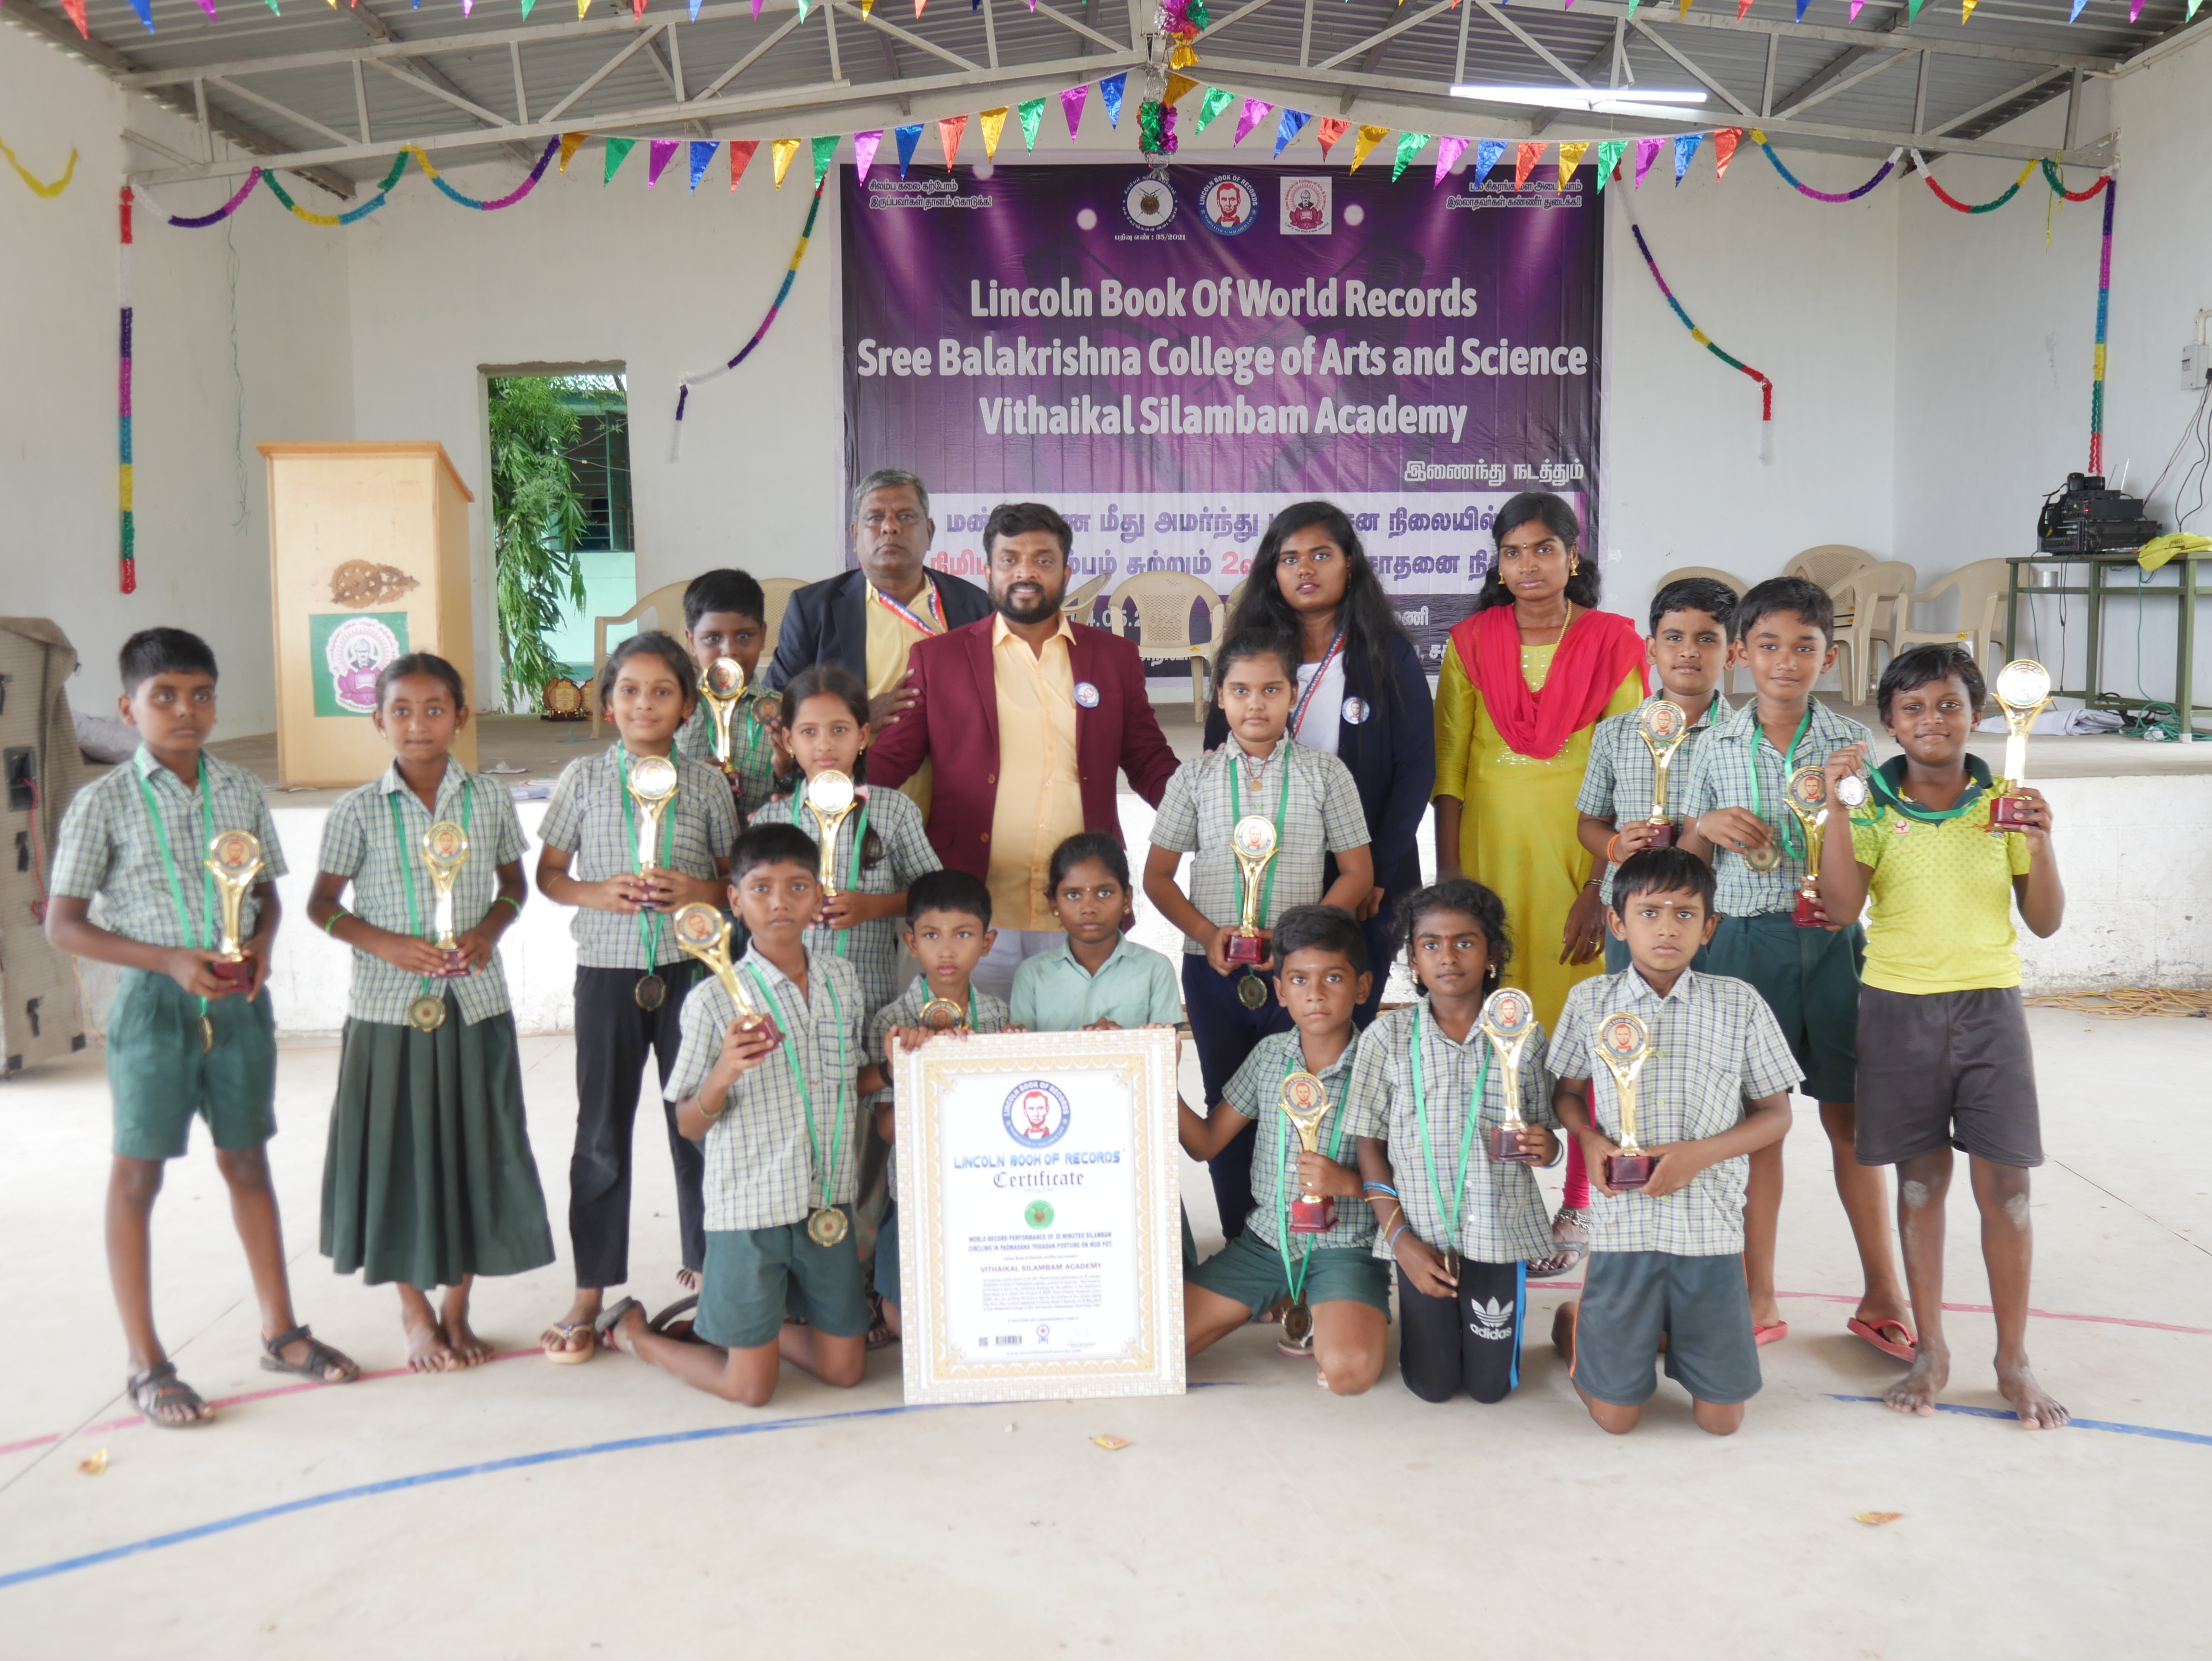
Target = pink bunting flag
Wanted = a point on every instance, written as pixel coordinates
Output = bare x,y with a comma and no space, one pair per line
1250,117
1742,7
1070,104
1448,151
1856,4
662,150
949,132
864,145
1525,158
1646,149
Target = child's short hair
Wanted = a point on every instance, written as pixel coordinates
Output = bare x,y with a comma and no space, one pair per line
1082,846
1320,928
1469,899
653,642
773,844
1257,640
948,890
152,652
1931,660
1707,594
1807,598
420,663
724,590
1661,871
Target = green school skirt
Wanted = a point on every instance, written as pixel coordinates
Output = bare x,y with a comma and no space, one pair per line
428,1176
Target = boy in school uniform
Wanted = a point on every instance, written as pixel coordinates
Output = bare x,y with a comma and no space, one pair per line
1945,1060
775,1117
1311,800
725,616
187,1035
948,930
1692,624
1666,1260
1734,815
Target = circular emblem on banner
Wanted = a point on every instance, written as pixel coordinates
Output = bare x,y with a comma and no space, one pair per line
1229,204
1035,1114
1087,695
1039,1214
1148,204
1305,204
355,650
1355,710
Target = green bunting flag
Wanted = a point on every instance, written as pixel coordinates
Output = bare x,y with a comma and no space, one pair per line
1609,157
1217,99
825,152
1410,145
1031,114
618,150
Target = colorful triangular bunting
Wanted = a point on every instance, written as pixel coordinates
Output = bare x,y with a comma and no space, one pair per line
702,152
1031,114
1250,116
825,152
1368,138
1686,146
1071,105
1217,100
1448,151
569,144
1410,145
1608,158
1287,127
994,123
1571,157
1486,152
1724,143
1329,129
782,150
865,146
950,132
1646,149
1111,89
618,151
906,138
741,155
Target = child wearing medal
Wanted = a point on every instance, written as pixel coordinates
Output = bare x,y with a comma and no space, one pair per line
1735,815
1261,815
776,1118
1944,1057
629,836
1308,1239
725,616
190,1033
427,1177
1428,1091
879,845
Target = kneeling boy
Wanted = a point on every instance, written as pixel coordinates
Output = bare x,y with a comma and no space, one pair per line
775,1118
1321,978
1666,1259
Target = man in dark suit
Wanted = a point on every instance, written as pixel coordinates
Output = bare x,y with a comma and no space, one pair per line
867,620
1033,715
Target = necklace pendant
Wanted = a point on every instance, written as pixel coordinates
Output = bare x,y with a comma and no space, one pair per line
651,992
207,1035
827,1226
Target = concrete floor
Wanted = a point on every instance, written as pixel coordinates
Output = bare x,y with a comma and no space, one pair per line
521,1511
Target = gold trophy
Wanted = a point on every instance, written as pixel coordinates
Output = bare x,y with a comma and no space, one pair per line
1623,1045
1306,1104
703,932
1507,1020
233,860
831,798
2023,691
1664,726
652,786
722,689
1253,842
445,851
1806,796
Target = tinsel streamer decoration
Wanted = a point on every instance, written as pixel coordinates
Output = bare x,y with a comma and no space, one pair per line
544,161
1765,386
353,214
2058,185
129,546
684,386
2104,309
1803,189
1288,125
199,222
40,187
1951,201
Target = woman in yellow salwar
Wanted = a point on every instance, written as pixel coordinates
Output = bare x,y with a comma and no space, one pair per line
1525,678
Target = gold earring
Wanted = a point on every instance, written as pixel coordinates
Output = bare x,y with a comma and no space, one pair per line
1574,564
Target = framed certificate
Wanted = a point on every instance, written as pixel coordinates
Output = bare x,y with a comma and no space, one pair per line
1039,1240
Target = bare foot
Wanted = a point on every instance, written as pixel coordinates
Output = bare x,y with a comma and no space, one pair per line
468,1350
426,1348
622,1334
1562,1330
571,1334
688,1279
2036,1409
1922,1382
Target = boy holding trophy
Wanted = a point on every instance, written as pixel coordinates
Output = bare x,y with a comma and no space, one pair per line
1945,1059
1670,1078
732,729
1260,814
181,852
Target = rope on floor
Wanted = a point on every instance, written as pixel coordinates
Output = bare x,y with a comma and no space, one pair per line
2128,1003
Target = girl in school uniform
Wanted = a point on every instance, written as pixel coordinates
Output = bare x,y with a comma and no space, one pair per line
880,846
631,977
427,1181
1097,977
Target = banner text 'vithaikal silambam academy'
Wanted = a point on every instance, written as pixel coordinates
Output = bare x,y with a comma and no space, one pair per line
1169,361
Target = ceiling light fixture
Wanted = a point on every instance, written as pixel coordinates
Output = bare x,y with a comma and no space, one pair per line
1645,103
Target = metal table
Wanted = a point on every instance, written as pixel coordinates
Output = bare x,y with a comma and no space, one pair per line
2186,590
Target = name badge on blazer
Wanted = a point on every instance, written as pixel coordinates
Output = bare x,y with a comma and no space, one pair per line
1356,710
1087,695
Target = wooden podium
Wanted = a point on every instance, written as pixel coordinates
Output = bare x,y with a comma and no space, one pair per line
368,556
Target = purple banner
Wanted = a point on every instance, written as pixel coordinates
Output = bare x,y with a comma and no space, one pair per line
1170,360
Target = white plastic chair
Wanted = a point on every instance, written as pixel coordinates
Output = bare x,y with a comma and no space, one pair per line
1163,600
1867,602
1982,587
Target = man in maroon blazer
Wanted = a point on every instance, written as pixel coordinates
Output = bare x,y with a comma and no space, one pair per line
1027,717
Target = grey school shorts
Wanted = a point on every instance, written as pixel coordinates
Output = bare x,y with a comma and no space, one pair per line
1630,1297
754,1276
1946,1066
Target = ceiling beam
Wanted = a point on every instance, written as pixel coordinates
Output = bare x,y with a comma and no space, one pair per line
1695,74
1947,45
1600,60
1372,45
1871,63
435,81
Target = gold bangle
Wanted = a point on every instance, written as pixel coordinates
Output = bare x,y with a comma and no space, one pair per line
717,1112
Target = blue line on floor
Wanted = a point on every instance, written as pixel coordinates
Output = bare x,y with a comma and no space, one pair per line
2007,1412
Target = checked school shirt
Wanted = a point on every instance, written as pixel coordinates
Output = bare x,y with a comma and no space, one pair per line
751,753
989,1015
760,1164
358,843
585,819
1322,816
902,853
107,848
1715,1047
1502,1219
1257,1092
1617,784
1720,776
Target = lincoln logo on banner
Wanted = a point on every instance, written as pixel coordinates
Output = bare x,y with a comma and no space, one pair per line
1171,379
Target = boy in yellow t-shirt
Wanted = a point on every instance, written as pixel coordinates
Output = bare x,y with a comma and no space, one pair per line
1944,1060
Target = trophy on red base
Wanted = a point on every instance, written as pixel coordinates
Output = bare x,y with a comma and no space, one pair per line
445,851
722,690
1664,726
1507,1020
1305,1104
1806,796
704,933
1253,843
233,860
2023,692
1624,1045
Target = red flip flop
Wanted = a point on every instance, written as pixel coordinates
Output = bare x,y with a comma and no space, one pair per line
1905,1349
1773,1335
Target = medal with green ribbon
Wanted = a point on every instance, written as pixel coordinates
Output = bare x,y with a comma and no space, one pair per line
426,1013
1304,1102
176,883
826,1224
1769,858
1889,788
1449,1213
